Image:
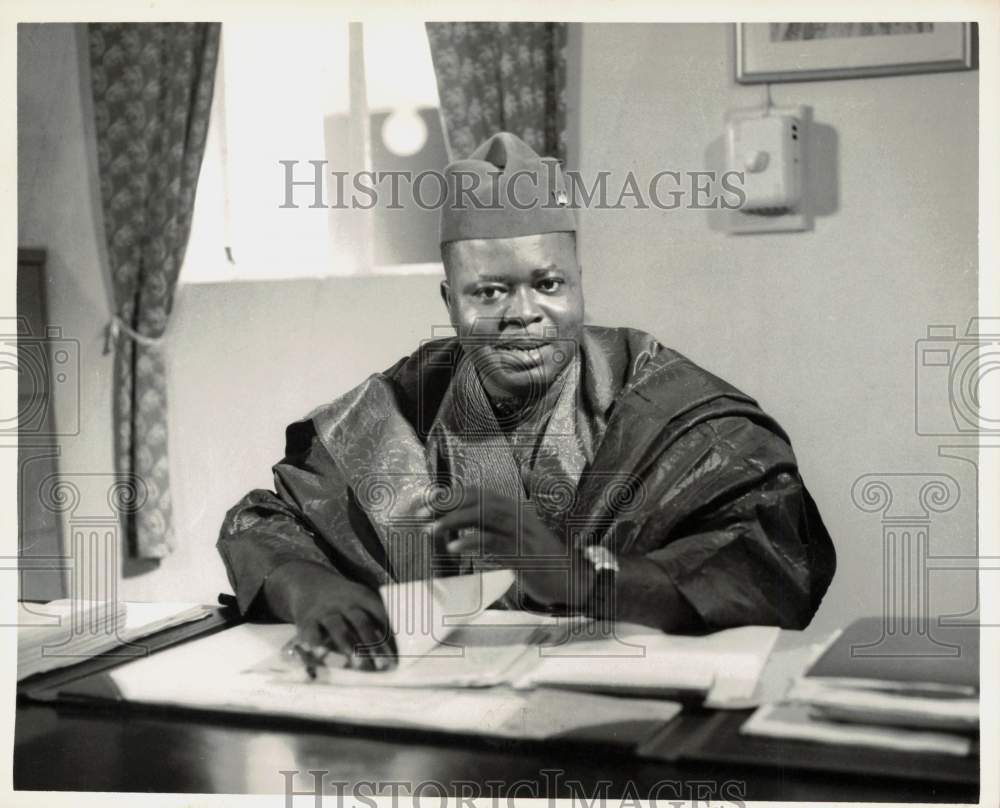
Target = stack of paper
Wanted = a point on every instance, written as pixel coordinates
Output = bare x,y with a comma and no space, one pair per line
910,694
796,721
884,707
65,632
634,659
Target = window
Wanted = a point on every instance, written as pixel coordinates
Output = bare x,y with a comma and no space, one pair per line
293,103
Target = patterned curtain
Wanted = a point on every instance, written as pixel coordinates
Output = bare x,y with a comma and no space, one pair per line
501,76
152,85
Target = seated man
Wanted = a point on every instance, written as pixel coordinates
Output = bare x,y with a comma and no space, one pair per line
616,477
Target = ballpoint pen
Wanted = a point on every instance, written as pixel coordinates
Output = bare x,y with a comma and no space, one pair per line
305,653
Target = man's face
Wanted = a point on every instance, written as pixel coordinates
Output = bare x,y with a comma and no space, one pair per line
517,305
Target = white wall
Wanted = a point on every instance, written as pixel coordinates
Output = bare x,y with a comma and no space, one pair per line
819,326
246,359
55,211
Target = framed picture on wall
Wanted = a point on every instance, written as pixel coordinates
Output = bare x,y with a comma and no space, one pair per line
811,51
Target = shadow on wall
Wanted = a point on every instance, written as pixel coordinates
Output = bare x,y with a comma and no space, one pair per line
820,181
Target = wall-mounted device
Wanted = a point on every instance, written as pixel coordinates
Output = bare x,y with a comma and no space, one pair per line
766,146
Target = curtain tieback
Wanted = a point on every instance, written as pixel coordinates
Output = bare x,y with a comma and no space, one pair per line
117,326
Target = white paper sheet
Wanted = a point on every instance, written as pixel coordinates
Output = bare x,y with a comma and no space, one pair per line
423,613
727,663
795,721
211,673
446,637
876,706
790,657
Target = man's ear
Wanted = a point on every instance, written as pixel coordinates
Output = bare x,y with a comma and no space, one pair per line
446,295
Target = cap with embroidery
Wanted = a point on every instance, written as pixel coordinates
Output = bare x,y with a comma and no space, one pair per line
504,189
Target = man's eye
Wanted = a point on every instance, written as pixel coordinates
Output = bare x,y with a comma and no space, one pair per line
550,284
488,293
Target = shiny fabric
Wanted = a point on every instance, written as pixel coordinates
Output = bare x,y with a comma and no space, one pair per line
643,452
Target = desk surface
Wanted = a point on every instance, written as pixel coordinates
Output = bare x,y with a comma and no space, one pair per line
76,749
73,748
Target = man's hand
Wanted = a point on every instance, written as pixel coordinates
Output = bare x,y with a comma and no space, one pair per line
523,543
333,613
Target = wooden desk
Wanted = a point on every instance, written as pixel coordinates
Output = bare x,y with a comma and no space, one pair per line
72,748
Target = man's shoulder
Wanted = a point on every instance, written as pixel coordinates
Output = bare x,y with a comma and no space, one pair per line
415,383
667,393
639,358
619,340
660,377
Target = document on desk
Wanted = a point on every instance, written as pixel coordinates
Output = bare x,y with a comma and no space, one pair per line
226,682
483,672
446,637
463,668
632,659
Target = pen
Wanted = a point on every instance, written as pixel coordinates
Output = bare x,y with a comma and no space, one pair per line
306,655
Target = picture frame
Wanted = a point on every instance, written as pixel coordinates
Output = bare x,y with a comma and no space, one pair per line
781,52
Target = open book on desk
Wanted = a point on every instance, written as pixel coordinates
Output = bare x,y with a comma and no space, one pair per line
447,637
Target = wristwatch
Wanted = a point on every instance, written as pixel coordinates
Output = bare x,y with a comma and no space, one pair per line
603,567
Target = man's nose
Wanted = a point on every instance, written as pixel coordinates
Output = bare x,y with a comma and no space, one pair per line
522,309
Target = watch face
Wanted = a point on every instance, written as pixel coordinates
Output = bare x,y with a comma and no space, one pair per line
602,558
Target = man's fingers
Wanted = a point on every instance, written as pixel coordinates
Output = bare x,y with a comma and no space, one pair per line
500,519
340,637
499,513
467,544
375,609
312,635
376,612
483,544
466,516
385,654
376,648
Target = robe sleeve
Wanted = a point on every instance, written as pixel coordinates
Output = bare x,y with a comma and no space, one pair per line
308,517
735,532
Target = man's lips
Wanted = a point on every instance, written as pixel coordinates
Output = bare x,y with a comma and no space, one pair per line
521,356
520,345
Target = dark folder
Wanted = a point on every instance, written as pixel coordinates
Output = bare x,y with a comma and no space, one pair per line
931,658
912,654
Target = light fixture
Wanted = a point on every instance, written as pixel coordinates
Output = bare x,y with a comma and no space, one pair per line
404,132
